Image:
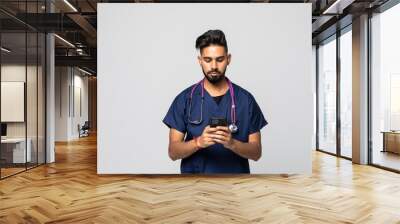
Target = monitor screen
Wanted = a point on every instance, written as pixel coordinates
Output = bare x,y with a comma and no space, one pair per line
3,129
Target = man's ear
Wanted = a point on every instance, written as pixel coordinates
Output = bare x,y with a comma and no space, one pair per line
199,59
229,59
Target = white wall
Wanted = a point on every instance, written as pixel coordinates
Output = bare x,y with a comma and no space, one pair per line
79,117
67,84
146,56
61,103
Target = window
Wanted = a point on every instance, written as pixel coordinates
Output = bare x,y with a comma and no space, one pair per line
327,96
346,93
385,88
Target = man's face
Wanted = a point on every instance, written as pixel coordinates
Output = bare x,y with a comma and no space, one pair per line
214,60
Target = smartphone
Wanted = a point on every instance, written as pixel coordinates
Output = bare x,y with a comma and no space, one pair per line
218,121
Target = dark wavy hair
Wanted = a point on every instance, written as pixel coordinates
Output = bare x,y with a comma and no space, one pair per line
211,37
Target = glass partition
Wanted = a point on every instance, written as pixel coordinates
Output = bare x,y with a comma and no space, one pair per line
14,154
22,67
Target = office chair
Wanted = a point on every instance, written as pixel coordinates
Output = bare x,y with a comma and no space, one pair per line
84,130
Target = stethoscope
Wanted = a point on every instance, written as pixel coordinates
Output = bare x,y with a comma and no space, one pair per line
232,127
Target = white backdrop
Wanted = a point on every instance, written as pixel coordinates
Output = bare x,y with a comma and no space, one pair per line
147,55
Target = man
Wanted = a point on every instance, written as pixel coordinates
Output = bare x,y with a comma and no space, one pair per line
224,148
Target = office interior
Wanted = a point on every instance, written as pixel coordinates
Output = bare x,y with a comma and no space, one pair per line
48,81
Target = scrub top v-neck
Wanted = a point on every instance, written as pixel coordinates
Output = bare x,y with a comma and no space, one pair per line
218,99
215,158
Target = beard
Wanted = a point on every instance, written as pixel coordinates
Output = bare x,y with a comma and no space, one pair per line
214,76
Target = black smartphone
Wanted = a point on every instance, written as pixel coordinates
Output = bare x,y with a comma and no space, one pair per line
218,121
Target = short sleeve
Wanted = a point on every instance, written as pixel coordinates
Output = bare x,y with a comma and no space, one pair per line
175,117
256,117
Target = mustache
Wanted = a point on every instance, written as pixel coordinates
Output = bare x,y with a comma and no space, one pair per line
214,71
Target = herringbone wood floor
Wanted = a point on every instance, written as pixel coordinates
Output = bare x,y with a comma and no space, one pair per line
70,191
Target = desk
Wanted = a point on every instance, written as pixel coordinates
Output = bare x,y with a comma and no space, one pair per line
15,148
391,141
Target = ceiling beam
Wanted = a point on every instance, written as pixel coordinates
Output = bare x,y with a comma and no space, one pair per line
83,61
86,26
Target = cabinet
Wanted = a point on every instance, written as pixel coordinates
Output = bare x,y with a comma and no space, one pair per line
391,142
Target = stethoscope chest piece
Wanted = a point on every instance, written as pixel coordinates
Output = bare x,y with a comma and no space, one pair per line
233,128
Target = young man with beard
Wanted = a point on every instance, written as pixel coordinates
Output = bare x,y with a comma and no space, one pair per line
225,148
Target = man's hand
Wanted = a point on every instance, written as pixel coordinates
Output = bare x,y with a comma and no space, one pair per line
223,136
206,138
249,150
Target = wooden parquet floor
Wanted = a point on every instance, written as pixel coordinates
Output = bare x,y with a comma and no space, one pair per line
70,191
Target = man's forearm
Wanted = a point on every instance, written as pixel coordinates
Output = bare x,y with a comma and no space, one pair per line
180,150
247,150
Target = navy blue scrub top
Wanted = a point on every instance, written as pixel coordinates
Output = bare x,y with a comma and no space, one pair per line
215,158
